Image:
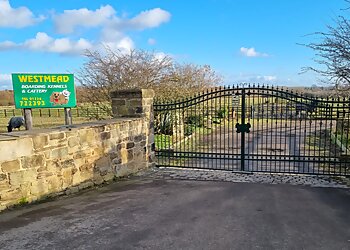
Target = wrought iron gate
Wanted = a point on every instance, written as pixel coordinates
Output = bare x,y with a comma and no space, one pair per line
255,129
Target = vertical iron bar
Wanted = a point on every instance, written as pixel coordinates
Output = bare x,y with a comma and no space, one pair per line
338,137
341,138
242,132
269,140
202,128
220,128
277,132
284,133
175,135
238,112
253,131
259,129
209,126
300,134
226,146
286,128
317,136
330,135
217,125
296,135
304,137
183,130
293,128
161,138
193,138
307,142
247,139
346,116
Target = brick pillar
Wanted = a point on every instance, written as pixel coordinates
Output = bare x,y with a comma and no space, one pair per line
137,103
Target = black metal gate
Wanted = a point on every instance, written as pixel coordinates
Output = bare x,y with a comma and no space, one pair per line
255,129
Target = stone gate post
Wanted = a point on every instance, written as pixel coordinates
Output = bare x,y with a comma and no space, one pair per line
137,103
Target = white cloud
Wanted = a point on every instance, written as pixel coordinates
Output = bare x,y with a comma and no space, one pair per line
267,78
6,45
254,78
44,43
151,41
113,30
5,77
149,19
70,19
16,17
115,27
105,16
160,55
251,52
125,44
5,81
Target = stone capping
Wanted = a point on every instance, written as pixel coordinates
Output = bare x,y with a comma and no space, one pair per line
134,93
30,133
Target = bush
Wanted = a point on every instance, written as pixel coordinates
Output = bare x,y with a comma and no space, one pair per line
222,113
195,120
164,124
188,130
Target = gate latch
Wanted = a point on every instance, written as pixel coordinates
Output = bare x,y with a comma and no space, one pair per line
245,128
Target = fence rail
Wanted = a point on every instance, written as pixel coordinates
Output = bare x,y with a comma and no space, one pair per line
57,112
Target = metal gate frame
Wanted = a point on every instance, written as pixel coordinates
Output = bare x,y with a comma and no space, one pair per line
308,120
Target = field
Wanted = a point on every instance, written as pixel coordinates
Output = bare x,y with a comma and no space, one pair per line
45,118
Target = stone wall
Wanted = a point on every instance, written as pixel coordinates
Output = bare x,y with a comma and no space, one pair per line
49,162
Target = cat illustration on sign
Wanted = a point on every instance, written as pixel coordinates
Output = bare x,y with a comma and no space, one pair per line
60,98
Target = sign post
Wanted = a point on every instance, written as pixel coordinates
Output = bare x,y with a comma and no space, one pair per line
28,119
68,116
44,91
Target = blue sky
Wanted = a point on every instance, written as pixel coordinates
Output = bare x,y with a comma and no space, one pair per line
244,40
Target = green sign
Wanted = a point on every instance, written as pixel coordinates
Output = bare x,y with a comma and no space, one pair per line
44,90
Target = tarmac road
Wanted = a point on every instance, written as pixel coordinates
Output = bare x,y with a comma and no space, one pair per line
148,213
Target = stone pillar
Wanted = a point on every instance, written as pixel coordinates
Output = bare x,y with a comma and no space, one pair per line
137,103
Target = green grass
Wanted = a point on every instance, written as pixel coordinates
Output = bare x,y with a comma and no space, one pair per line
163,141
23,201
46,118
43,122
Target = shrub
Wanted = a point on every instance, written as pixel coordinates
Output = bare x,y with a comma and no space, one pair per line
195,120
164,124
222,113
188,130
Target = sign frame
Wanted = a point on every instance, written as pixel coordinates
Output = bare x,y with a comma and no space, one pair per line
36,90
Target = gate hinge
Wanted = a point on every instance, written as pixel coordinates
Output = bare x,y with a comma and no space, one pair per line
245,128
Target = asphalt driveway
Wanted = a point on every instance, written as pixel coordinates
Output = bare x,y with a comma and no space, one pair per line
147,213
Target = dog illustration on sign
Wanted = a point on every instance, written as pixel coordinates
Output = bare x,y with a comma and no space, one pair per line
60,98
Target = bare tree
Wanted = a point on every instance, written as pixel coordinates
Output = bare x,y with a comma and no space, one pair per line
333,53
186,79
113,70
